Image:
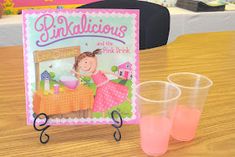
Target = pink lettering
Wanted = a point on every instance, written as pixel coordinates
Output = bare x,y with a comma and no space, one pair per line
43,24
50,27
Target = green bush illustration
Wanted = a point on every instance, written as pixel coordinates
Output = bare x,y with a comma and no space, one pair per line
52,74
114,68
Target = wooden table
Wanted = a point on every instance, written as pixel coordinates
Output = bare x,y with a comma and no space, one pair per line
211,54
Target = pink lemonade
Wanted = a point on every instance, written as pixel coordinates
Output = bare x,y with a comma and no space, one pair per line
155,134
185,123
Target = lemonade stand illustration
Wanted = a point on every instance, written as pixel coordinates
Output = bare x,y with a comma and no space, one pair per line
63,98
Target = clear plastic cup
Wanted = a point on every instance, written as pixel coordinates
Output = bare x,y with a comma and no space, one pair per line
194,88
157,101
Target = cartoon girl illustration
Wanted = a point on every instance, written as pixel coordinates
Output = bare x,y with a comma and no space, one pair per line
108,93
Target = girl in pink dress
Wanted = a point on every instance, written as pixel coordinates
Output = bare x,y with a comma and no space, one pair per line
108,93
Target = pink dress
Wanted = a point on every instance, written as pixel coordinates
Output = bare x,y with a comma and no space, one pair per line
108,93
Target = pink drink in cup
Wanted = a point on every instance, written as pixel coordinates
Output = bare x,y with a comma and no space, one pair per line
194,88
155,134
56,88
156,100
185,123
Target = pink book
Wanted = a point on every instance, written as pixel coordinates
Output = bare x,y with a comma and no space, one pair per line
80,65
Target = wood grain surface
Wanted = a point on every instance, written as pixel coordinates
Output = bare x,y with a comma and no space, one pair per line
211,54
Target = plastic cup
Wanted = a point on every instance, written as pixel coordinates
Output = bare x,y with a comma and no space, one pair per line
56,88
194,88
157,101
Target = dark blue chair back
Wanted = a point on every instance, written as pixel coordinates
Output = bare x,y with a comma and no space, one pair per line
154,20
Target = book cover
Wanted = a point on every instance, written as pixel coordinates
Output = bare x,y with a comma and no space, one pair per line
80,65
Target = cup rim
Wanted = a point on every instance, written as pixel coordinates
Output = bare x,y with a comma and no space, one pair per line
159,101
190,87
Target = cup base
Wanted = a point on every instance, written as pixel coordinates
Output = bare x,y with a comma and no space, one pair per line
182,139
154,154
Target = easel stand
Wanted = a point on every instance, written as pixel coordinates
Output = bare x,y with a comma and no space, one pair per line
116,117
43,126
